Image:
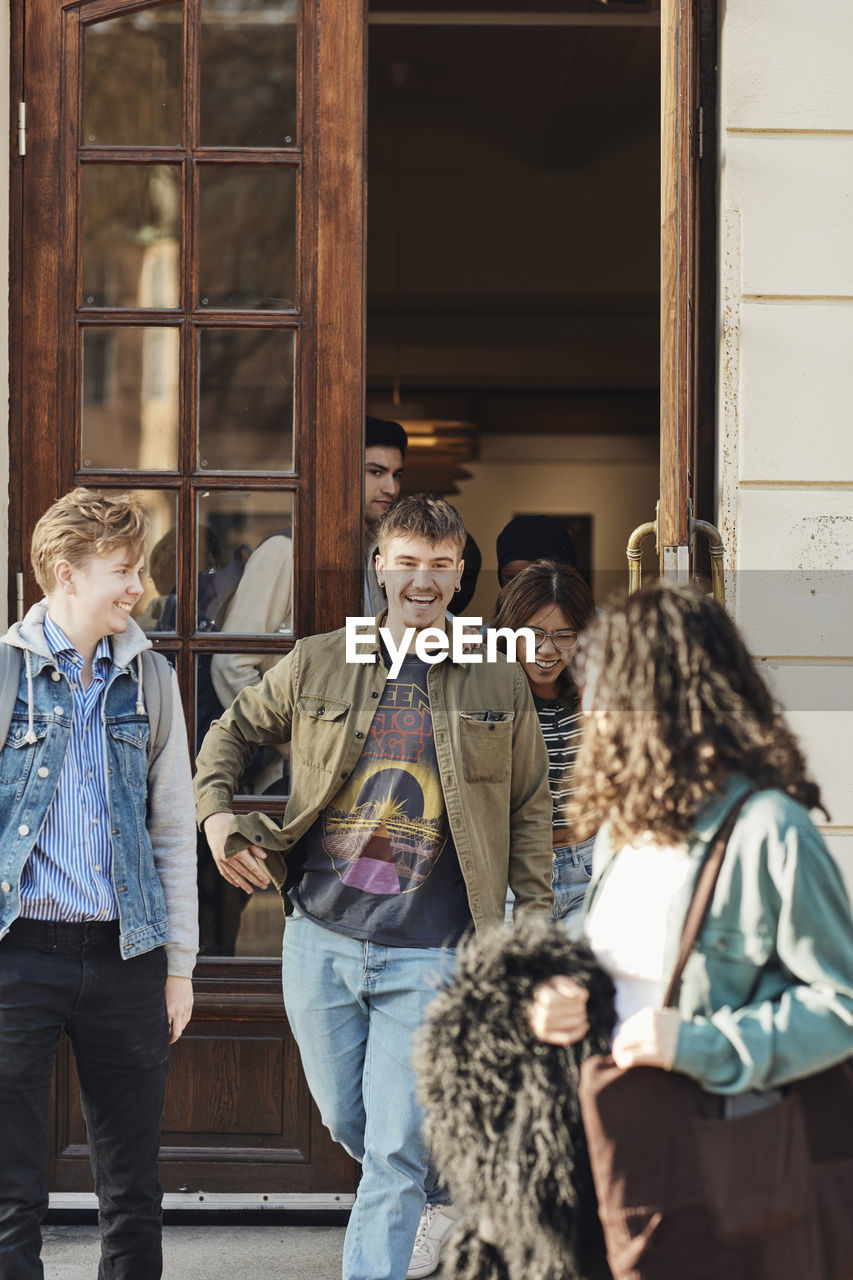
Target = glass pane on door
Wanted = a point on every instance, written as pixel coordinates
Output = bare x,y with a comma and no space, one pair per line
132,78
245,399
250,535
130,397
248,73
219,678
247,237
131,235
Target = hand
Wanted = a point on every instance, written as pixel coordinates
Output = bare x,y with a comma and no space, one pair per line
244,869
647,1039
179,1005
558,1013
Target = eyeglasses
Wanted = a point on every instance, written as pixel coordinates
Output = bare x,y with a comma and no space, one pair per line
562,639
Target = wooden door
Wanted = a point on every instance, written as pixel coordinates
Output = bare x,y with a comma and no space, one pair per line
188,324
688,279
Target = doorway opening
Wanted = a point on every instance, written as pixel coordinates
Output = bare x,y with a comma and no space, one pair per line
513,295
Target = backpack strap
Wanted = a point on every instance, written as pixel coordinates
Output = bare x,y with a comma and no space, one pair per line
10,678
157,679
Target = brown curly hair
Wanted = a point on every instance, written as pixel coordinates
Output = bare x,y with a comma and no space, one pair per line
677,705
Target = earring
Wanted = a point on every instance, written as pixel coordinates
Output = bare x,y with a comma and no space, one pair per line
458,587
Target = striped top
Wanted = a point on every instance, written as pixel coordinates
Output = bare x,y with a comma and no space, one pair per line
69,875
561,722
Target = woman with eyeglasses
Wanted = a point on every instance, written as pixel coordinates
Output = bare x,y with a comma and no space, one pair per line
555,603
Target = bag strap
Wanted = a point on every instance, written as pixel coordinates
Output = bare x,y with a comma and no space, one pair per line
702,896
10,678
157,675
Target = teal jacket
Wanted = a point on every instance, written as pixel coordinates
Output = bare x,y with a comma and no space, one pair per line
767,995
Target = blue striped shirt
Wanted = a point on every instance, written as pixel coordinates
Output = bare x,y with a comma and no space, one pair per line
69,873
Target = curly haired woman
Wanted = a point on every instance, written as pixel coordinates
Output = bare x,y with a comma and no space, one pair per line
682,726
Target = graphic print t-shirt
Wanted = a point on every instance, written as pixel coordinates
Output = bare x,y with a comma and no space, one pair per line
379,863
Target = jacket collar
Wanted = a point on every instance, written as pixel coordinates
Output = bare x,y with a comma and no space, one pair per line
29,634
709,817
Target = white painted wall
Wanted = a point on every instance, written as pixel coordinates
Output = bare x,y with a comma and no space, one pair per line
614,479
4,315
786,373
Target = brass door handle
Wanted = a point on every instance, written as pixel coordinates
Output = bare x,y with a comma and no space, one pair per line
716,550
634,551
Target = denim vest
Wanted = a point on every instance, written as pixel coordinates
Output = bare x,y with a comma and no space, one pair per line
29,774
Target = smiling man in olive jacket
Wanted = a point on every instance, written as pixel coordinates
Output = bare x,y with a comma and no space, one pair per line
415,800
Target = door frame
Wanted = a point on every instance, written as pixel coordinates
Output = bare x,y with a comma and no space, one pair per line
688,275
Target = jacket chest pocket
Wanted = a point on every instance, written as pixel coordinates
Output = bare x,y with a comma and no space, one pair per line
486,745
129,741
321,729
734,962
18,755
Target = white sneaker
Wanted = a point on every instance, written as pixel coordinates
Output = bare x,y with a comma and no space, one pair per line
437,1222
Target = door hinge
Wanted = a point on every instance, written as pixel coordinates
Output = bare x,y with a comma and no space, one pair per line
22,128
700,132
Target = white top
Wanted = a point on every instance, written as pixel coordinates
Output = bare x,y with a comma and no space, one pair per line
636,919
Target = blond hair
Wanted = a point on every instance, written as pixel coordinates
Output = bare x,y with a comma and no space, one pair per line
420,515
84,524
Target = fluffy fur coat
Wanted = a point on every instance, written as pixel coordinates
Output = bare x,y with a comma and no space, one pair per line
502,1113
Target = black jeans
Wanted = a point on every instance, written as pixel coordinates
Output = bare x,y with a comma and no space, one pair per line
114,1011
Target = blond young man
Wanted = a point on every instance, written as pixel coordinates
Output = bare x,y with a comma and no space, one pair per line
98,907
415,798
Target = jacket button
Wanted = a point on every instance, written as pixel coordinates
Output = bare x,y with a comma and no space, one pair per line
321,711
374,694
23,830
55,676
43,772
491,728
6,887
57,711
359,735
344,775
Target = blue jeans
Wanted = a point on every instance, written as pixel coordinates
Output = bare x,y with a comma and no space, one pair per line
114,1012
569,880
571,877
354,1007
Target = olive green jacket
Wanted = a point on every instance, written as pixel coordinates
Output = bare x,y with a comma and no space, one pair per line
767,993
494,773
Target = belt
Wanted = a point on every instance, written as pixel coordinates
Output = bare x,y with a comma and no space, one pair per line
70,936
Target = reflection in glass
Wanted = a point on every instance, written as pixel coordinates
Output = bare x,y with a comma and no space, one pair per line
230,921
161,567
219,678
245,399
248,73
131,228
130,398
132,79
250,589
247,237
